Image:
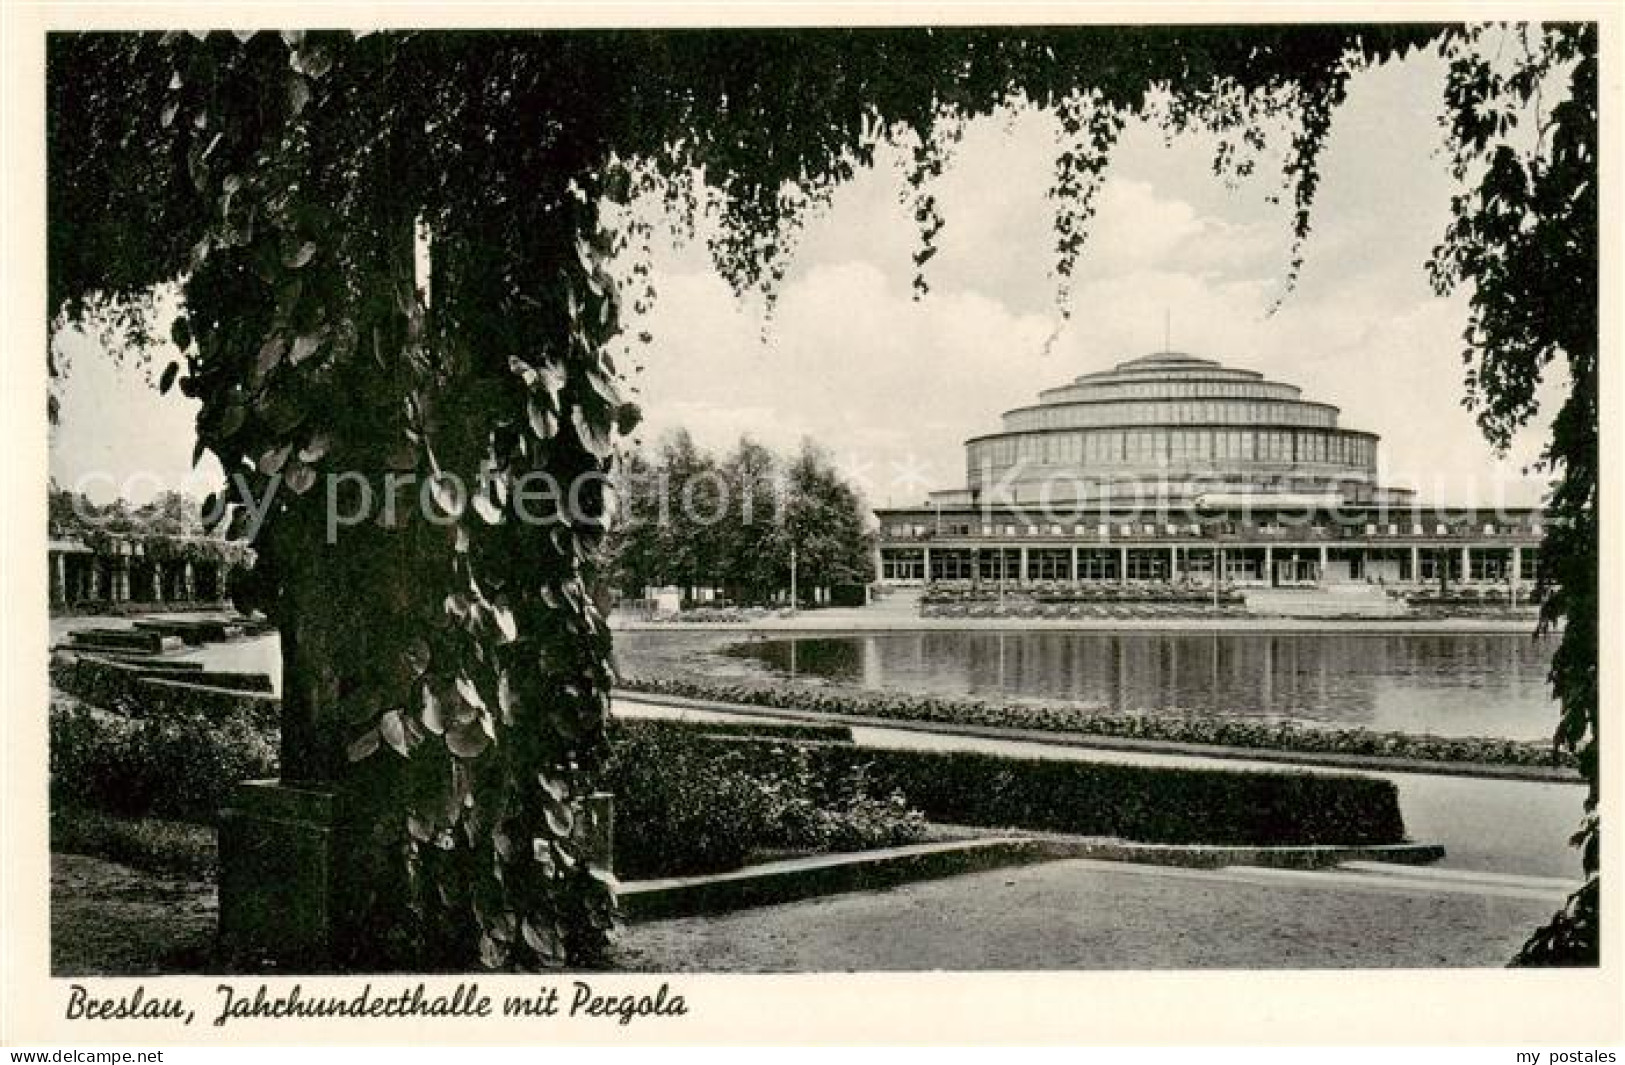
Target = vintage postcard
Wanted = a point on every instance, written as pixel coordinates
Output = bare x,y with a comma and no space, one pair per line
1049,524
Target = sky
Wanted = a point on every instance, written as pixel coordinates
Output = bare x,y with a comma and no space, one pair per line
891,386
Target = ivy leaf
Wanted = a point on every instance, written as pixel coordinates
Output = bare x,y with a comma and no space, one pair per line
552,377
592,435
315,448
300,478
506,625
364,745
167,381
301,257
271,462
557,788
542,421
560,819
416,656
467,740
231,421
445,496
270,354
486,508
470,694
181,332
420,829
303,348
314,61
545,941
298,94
507,699
433,717
523,370
393,731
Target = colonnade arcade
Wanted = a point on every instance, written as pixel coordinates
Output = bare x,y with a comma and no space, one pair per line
124,572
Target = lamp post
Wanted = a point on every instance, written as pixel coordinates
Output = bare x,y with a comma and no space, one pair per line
793,599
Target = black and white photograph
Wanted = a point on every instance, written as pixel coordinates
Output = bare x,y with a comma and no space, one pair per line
596,505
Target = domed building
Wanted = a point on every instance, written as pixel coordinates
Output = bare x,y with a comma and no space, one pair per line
1163,466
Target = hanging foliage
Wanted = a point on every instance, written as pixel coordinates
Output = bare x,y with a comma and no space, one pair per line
1524,242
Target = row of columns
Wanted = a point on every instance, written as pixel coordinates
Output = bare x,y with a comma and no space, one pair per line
104,578
1515,574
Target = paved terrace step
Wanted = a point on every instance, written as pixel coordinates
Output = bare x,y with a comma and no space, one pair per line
123,639
137,660
193,632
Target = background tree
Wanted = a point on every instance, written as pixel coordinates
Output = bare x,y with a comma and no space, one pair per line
824,520
445,670
693,503
751,540
632,559
733,530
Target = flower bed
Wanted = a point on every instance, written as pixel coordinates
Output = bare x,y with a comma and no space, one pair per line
1227,732
1066,593
729,615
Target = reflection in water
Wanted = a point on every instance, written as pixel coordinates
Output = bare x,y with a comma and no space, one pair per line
1450,684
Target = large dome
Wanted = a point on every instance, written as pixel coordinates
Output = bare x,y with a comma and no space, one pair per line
1172,427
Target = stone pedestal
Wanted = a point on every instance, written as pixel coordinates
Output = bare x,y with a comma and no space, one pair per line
279,865
286,890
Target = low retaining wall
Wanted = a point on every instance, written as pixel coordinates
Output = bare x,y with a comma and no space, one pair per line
802,878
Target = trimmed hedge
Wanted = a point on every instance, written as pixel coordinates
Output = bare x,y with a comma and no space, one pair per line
1141,803
1147,804
1053,717
182,766
159,690
688,802
162,697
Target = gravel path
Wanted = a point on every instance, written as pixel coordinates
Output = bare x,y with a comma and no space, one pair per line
1092,915
108,919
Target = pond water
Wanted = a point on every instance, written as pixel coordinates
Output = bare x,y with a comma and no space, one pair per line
1447,684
